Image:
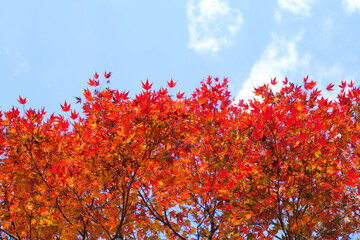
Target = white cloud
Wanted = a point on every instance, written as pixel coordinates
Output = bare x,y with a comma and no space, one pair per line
298,7
327,26
22,68
277,16
7,51
280,58
212,24
351,6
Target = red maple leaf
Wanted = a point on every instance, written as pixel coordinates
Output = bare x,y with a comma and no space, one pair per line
180,95
91,82
310,85
124,95
74,115
14,112
163,91
30,113
22,100
96,76
343,84
285,81
351,84
107,75
306,78
65,107
273,81
171,84
330,87
146,85
120,96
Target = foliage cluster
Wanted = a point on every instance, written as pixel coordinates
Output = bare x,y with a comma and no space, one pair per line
284,165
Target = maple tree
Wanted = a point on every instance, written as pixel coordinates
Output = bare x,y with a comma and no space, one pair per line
283,165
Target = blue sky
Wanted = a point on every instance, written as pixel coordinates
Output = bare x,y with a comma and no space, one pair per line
49,49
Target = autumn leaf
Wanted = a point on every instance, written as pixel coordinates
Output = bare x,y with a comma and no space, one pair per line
78,99
310,85
163,91
306,79
343,85
146,85
171,84
65,107
91,82
330,87
107,75
180,95
285,81
22,100
74,115
273,81
121,96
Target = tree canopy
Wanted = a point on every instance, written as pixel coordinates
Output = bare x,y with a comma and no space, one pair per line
283,165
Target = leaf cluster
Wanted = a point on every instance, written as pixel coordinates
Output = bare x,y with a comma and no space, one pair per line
284,165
